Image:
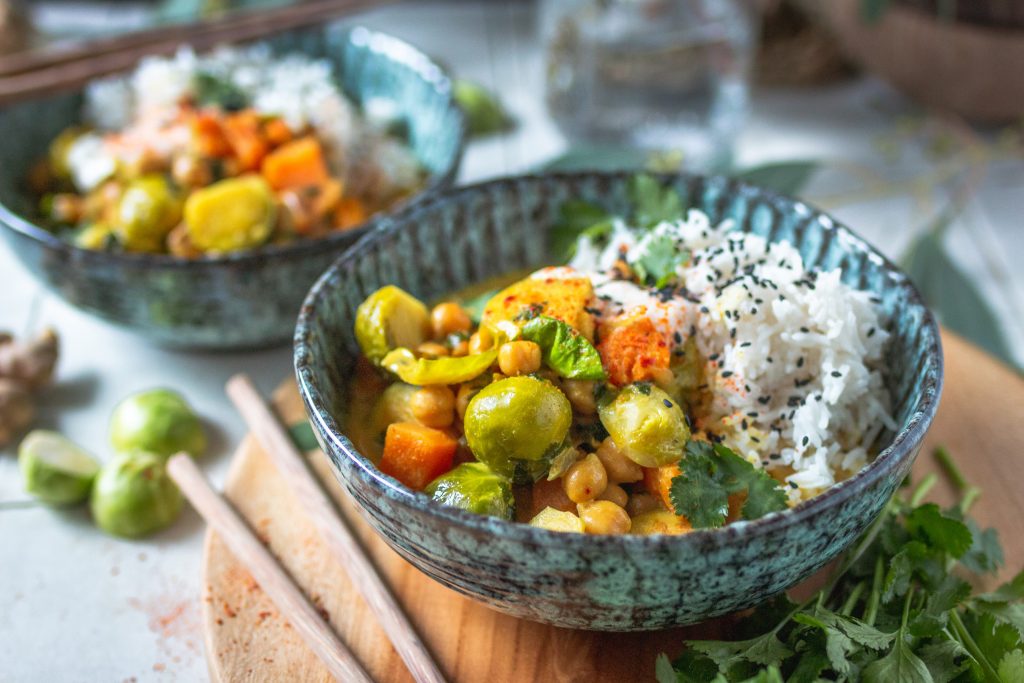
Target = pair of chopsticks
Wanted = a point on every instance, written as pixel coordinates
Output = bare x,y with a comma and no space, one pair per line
33,73
335,533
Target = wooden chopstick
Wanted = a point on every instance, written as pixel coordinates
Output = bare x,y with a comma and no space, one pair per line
271,577
333,529
32,74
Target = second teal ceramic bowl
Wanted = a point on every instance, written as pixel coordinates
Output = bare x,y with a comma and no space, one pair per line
603,582
243,300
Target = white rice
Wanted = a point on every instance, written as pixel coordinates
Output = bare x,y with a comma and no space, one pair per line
797,381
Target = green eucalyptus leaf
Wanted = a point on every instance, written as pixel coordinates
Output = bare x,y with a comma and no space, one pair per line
785,177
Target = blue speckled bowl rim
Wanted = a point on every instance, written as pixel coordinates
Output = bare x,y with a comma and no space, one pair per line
395,49
903,445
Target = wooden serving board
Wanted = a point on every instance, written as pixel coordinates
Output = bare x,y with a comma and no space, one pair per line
981,421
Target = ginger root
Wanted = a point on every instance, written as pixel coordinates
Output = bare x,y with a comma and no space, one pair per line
25,367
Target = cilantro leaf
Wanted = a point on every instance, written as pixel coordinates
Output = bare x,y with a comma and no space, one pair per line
652,203
1011,667
941,531
986,553
565,350
766,650
709,473
697,493
663,671
946,659
211,90
578,219
658,265
901,664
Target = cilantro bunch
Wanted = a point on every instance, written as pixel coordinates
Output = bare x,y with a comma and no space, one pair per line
896,609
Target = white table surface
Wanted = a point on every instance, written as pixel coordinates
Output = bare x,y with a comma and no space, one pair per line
76,605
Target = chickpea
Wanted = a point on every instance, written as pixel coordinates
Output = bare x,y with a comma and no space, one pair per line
431,350
581,395
447,318
460,349
190,171
639,503
433,406
479,341
616,494
621,469
604,517
519,358
462,399
585,480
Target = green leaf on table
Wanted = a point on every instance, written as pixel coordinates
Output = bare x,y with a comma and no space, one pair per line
658,265
578,219
709,473
951,294
484,112
600,158
785,177
302,436
564,349
694,667
652,202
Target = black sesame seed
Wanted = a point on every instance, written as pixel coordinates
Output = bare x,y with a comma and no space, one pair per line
805,440
871,332
726,373
668,403
743,425
800,362
713,356
745,344
793,485
678,337
764,400
836,373
804,329
752,413
775,456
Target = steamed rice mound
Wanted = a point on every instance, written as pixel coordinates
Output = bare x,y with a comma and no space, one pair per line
791,357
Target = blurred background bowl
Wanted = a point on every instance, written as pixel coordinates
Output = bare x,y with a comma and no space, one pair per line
615,583
243,300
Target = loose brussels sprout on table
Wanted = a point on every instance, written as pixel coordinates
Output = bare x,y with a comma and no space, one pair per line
133,496
55,470
158,421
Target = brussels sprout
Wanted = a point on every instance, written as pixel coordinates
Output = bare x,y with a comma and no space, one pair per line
659,522
146,213
159,421
388,319
516,425
473,486
646,425
55,470
393,406
555,520
231,215
94,236
133,496
447,370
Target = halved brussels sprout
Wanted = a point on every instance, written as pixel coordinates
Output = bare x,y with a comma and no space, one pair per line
56,470
473,486
555,520
231,215
388,319
646,425
516,425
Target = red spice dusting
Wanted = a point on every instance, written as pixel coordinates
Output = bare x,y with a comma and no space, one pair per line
159,666
229,611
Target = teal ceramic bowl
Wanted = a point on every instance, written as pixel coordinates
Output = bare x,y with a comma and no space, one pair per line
243,300
603,582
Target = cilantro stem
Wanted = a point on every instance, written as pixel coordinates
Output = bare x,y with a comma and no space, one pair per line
871,612
851,601
922,489
967,640
969,492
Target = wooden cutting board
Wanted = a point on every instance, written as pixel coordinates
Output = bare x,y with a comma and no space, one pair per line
981,421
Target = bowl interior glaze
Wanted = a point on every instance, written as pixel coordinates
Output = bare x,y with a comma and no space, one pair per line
614,582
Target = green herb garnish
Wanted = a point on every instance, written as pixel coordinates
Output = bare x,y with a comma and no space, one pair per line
578,219
658,266
565,350
896,609
212,90
653,203
710,473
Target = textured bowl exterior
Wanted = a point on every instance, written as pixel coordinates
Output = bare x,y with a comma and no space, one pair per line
244,300
602,582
